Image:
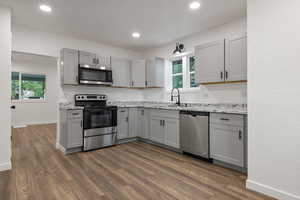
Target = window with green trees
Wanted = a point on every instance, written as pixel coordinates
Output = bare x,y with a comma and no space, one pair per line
192,71
27,86
177,74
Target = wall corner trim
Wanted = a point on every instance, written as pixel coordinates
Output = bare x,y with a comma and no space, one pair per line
258,187
5,166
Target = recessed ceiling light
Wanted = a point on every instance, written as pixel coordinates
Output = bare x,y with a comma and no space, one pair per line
195,5
45,8
136,35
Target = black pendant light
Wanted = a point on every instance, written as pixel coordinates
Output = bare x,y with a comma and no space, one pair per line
179,48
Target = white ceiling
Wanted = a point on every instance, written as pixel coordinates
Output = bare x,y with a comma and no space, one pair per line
112,21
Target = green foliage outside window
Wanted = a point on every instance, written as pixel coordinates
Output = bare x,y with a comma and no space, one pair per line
32,86
177,74
192,72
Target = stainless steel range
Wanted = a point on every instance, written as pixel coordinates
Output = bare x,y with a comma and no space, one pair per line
99,121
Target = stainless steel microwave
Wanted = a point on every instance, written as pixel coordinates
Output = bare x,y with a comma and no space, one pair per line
94,75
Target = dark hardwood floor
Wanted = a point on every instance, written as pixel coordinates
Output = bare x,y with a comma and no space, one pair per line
128,171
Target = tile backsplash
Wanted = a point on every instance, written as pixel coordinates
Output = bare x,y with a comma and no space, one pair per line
227,93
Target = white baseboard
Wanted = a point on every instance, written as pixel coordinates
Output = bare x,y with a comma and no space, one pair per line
5,166
270,191
20,126
59,147
33,123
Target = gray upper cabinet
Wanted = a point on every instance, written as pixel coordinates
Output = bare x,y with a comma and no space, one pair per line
121,72
221,61
123,123
138,73
209,59
236,59
227,139
69,66
88,58
155,72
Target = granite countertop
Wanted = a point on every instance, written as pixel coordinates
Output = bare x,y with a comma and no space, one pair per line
215,108
70,107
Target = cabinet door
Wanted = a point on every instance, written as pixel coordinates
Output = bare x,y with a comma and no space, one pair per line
227,144
69,67
155,72
133,122
141,122
147,123
210,62
103,61
87,58
171,132
236,59
157,133
121,72
75,133
123,123
138,73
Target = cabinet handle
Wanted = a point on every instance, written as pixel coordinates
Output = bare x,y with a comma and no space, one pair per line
224,119
160,121
240,134
127,119
226,74
146,83
132,83
164,122
221,75
81,123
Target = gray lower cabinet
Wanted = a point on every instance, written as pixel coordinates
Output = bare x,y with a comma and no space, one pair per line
227,138
164,127
123,123
133,122
143,123
71,129
157,133
171,132
128,123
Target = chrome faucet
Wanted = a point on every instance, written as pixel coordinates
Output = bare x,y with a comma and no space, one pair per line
178,96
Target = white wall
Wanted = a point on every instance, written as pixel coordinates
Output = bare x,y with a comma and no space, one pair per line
49,44
40,112
5,70
274,97
232,93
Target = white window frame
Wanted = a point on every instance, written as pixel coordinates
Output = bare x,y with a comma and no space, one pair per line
182,73
185,72
21,100
189,72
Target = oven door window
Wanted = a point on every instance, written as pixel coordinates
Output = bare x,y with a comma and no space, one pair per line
98,119
92,75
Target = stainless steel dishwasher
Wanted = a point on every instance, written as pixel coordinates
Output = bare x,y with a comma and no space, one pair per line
194,133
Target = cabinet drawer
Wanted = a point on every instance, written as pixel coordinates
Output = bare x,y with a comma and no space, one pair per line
74,114
165,113
227,119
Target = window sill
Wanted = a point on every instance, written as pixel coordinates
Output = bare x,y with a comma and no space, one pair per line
184,90
29,101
